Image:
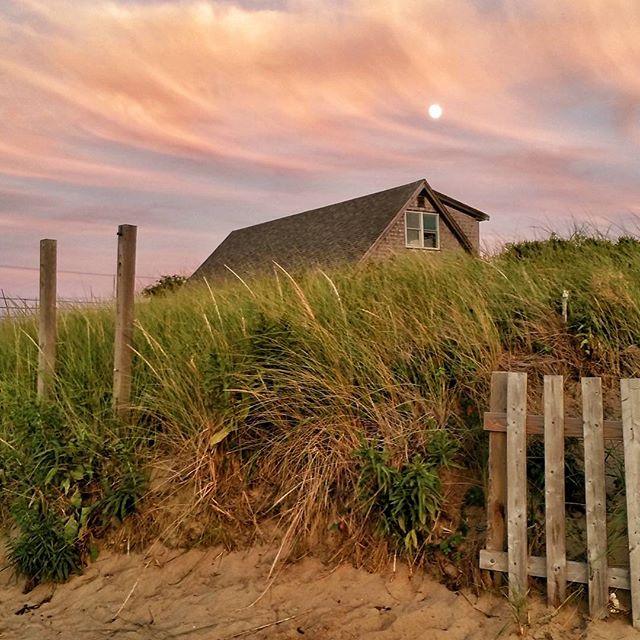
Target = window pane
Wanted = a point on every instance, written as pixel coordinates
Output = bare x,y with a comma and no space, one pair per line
430,239
429,221
413,238
413,220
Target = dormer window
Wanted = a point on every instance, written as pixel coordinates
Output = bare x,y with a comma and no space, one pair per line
422,230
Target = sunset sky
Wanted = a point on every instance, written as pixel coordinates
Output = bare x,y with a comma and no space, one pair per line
192,118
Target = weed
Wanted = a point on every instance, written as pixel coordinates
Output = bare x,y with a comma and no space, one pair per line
62,485
46,548
404,500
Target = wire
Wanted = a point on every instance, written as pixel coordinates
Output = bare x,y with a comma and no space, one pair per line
68,272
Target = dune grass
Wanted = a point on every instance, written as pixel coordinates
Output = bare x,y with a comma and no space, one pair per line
325,404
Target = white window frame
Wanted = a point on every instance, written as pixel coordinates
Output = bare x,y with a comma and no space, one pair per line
422,213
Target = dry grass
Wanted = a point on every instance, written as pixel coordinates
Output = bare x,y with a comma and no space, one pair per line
251,399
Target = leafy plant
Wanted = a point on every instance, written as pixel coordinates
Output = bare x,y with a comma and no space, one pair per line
45,549
63,484
405,500
442,448
120,499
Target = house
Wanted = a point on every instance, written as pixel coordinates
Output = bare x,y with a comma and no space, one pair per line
412,217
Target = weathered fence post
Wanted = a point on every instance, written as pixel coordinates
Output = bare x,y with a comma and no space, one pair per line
594,475
630,394
47,318
125,290
554,490
497,480
517,485
565,306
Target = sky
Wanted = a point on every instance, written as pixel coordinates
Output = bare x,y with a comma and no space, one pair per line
192,118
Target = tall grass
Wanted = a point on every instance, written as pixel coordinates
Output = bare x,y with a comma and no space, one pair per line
253,400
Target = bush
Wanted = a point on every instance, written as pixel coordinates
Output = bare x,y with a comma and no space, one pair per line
405,500
63,484
45,549
164,285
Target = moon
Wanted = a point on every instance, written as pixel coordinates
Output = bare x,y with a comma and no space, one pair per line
435,111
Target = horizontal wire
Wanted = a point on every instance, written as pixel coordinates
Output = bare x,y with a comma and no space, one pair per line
69,272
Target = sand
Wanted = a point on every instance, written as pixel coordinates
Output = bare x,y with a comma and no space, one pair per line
217,595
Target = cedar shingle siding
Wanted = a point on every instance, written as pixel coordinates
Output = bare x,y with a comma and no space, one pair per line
368,226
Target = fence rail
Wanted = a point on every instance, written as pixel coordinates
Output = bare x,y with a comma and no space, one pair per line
508,425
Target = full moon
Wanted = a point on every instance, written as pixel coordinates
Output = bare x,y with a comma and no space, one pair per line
435,111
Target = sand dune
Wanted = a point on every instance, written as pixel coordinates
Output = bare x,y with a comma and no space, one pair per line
215,595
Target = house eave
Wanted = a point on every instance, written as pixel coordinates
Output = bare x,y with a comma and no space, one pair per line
462,207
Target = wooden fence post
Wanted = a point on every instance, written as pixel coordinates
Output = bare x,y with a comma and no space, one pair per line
630,394
497,480
554,490
517,486
125,290
594,474
47,318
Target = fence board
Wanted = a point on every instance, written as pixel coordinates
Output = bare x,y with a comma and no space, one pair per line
497,480
592,415
554,490
630,394
618,577
573,427
517,484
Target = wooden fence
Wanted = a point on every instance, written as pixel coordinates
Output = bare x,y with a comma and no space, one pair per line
506,549
46,308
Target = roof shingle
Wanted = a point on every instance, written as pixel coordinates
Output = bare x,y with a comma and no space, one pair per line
340,232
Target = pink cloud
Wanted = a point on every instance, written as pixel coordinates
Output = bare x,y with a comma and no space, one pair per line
259,112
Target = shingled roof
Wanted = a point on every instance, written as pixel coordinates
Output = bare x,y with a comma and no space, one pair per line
341,232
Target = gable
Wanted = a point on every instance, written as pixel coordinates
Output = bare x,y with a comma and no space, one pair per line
459,226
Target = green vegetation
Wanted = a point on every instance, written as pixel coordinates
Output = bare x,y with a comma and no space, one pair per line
63,483
318,401
405,502
164,284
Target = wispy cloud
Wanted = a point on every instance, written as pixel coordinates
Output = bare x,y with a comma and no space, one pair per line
193,117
